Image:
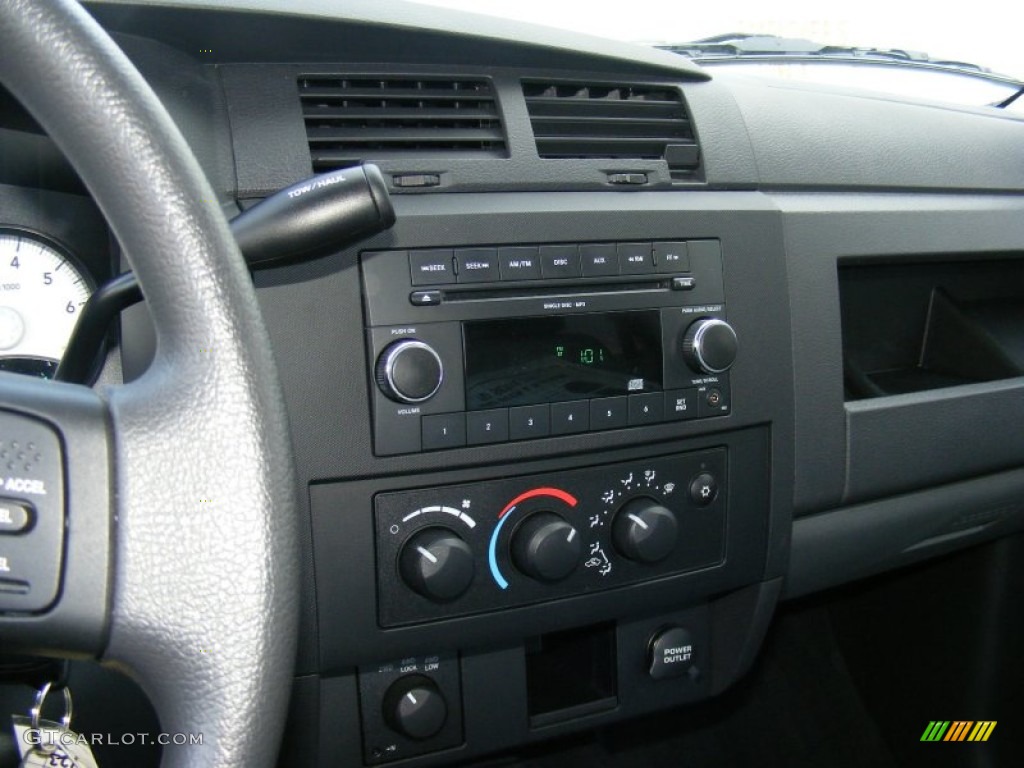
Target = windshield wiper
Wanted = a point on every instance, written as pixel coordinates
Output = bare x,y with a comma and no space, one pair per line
740,45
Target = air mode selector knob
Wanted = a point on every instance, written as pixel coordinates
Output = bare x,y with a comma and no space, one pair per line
709,345
645,531
437,564
415,707
546,547
409,371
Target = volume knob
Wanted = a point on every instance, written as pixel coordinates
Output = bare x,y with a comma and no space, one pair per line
709,345
409,371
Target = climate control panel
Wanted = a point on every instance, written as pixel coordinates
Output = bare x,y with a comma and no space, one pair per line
479,547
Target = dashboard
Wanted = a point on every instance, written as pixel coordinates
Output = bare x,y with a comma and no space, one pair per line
647,352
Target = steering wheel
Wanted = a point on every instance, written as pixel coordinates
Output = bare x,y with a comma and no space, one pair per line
179,551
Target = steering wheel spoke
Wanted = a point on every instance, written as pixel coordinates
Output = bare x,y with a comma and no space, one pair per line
203,555
55,517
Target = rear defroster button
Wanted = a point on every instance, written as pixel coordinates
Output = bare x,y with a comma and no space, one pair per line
703,489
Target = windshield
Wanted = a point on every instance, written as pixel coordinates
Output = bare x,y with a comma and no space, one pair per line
987,36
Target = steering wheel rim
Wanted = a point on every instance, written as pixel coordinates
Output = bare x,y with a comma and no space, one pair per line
203,596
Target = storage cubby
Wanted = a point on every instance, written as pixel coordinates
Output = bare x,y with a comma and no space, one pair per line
922,325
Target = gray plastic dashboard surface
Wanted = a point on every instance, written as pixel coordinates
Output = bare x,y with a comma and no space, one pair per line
868,449
819,137
376,30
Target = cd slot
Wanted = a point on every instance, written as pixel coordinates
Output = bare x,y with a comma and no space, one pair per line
527,291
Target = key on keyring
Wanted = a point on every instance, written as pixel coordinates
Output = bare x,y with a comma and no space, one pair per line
46,744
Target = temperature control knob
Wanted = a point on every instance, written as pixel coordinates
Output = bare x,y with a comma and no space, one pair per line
436,563
645,531
709,345
409,371
546,547
415,707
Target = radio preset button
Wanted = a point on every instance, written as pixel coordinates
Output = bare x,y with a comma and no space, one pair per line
519,263
571,417
445,430
484,427
671,257
559,261
609,412
477,265
646,409
599,260
431,267
529,421
635,258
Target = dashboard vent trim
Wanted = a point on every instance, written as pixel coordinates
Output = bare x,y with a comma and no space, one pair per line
615,121
352,119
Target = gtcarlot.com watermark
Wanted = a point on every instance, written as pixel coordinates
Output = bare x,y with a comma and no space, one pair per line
48,738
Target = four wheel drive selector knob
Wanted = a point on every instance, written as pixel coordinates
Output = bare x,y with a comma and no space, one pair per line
415,707
546,547
437,564
710,345
645,531
409,371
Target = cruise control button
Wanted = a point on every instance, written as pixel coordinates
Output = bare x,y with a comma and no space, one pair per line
15,517
519,263
477,265
432,267
670,654
559,261
671,257
635,258
599,260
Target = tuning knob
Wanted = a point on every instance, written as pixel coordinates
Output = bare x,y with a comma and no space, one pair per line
546,547
415,707
409,371
709,345
437,564
645,531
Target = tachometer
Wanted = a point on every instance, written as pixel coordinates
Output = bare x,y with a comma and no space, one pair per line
42,292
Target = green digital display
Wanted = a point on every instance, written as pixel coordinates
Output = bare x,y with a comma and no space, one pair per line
584,355
528,360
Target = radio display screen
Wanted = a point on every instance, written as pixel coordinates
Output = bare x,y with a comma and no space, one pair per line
531,360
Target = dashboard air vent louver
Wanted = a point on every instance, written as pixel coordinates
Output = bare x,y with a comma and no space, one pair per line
636,122
362,118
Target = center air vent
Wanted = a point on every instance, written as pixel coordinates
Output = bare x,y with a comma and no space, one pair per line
636,122
366,118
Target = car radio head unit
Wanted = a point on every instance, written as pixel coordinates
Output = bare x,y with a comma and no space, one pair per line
485,345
